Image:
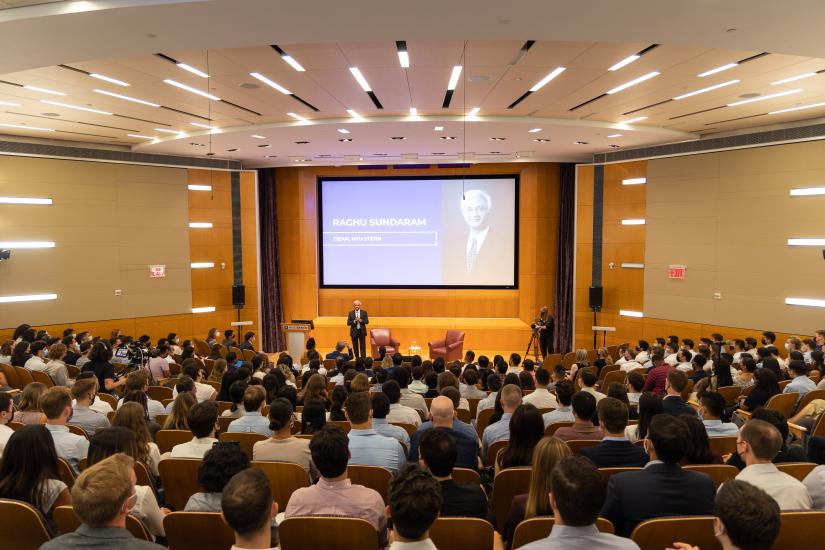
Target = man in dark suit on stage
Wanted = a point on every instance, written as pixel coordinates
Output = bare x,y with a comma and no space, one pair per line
357,320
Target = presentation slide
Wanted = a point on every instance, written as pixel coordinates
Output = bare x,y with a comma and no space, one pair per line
419,232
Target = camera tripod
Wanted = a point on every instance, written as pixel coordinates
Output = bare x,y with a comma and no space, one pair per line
534,343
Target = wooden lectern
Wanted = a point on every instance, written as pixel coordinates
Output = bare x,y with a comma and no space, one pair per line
296,337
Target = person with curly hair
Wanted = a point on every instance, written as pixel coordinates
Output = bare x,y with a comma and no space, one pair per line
220,463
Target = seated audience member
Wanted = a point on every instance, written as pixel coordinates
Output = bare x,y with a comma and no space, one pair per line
57,406
179,412
468,388
29,411
577,493
367,446
334,494
248,341
437,453
314,388
408,397
800,383
283,446
84,392
203,423
788,453
635,383
313,417
102,497
132,416
547,454
336,408
236,394
662,488
380,409
398,412
615,450
100,364
415,502
584,407
711,409
657,376
252,421
489,402
139,381
586,381
248,508
672,402
510,400
159,364
339,352
526,429
541,398
449,380
56,367
443,417
37,361
184,384
758,443
418,385
765,387
6,414
204,392
29,471
699,451
220,463
564,413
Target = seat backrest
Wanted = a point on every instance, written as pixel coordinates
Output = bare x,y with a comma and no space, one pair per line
409,428
534,529
607,472
454,336
11,376
68,522
483,420
159,393
246,440
810,396
24,376
551,429
719,473
663,532
577,445
43,378
607,369
473,402
723,445
381,336
201,530
472,533
507,484
166,439
799,529
730,393
21,526
65,471
108,398
201,347
783,402
343,424
329,533
16,425
225,421
180,480
284,478
493,450
463,415
799,470
374,477
568,360
77,430
466,475
237,351
688,390
612,376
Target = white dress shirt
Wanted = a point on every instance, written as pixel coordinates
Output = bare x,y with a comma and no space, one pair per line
814,482
786,490
595,393
5,434
203,392
403,414
541,399
194,449
426,544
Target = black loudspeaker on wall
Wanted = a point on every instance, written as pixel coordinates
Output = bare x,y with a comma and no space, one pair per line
238,295
596,298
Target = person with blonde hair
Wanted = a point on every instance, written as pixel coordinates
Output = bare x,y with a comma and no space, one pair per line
181,406
218,370
133,416
28,410
361,382
548,453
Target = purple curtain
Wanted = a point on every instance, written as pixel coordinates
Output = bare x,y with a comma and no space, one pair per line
272,315
564,258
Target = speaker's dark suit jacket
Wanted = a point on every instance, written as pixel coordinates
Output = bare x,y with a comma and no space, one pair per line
674,405
657,491
616,454
494,258
353,331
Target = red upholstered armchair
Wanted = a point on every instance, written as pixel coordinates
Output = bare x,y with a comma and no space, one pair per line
383,337
450,348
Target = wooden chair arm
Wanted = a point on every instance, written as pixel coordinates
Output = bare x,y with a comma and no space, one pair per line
797,430
744,414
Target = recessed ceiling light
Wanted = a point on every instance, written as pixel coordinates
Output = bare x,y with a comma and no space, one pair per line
633,82
270,83
141,136
474,111
272,156
534,130
360,78
165,131
397,138
811,302
614,135
108,79
403,55
353,114
541,140
439,128
343,131
256,136
264,145
630,313
763,97
204,309
448,137
799,108
808,191
26,244
201,265
633,221
497,139
294,64
201,93
200,225
10,104
24,127
540,84
199,125
78,107
454,77
297,117
718,69
42,90
198,187
806,242
793,78
634,181
708,89
127,98
637,119
345,140
626,61
24,200
580,142
27,298
192,70
413,111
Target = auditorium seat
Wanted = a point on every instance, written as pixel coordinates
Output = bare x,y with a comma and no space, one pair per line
451,348
607,472
284,478
201,347
24,376
466,475
77,430
383,337
551,429
166,439
799,529
108,398
43,378
179,477
810,396
723,445
64,470
719,473
730,393
11,376
343,424
472,533
798,470
159,393
329,533
484,420
22,527
374,477
611,377
409,428
493,450
607,369
68,522
534,529
506,485
246,440
201,530
576,445
659,533
568,360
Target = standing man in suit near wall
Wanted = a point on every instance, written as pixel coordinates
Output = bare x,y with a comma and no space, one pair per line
357,320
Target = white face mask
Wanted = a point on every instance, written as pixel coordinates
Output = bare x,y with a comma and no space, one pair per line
787,345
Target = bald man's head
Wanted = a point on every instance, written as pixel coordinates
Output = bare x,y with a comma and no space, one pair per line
442,412
510,397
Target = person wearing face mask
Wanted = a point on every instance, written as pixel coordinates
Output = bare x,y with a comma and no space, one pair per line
6,414
38,359
769,339
57,406
174,343
85,392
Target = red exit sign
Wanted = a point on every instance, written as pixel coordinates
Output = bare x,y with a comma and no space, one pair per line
157,271
676,271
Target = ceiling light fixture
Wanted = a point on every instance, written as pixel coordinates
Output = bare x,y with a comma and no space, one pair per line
534,130
9,103
288,58
345,140
637,119
198,187
764,97
439,128
108,79
204,309
24,200
43,90
799,108
630,313
580,142
541,140
297,117
200,225
626,61
454,77
78,107
708,89
353,114
24,127
201,93
810,302
634,181
718,70
450,138
808,191
615,135
165,131
26,244
553,74
270,83
474,111
806,242
256,136
497,139
27,298
633,221
360,78
793,79
141,136
413,111
403,55
201,265
199,125
633,82
343,131
127,98
631,265
192,69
